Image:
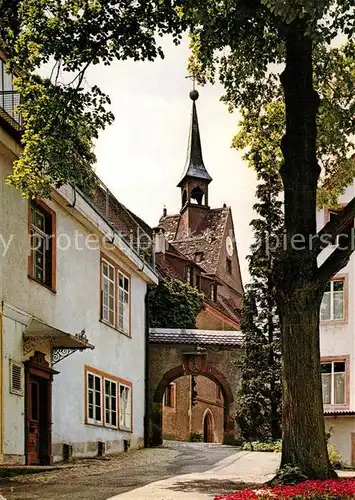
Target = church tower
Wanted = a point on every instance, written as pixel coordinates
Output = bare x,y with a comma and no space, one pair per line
195,178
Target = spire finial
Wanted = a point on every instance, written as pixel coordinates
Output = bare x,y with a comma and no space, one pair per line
194,93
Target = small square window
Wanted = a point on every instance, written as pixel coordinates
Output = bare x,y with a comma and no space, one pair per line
229,266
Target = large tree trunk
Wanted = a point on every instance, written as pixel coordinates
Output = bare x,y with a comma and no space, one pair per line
298,290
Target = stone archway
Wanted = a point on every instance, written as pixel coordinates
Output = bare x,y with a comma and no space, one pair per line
170,360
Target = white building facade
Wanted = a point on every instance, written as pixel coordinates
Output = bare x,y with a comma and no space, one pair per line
337,345
72,320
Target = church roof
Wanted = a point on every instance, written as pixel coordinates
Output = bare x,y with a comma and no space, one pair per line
207,239
194,167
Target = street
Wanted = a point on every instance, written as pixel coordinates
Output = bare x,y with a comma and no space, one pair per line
100,479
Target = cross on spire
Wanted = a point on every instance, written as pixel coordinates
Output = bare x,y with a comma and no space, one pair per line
193,78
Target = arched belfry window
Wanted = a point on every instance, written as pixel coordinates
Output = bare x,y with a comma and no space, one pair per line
197,195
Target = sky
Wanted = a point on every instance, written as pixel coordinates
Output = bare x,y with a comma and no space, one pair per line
142,155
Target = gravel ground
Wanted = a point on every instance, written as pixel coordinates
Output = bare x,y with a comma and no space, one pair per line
100,479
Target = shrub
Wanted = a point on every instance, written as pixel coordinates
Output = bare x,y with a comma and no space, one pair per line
263,446
308,490
195,437
335,458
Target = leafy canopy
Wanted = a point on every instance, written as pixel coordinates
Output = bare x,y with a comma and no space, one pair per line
334,78
62,113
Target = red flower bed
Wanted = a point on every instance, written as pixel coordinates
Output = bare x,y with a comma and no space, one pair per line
343,489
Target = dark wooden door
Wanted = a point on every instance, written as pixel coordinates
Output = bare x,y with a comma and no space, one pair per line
207,429
38,410
38,423
33,423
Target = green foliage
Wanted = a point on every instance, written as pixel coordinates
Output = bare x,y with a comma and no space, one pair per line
335,458
62,113
288,474
263,131
196,437
174,304
259,395
268,446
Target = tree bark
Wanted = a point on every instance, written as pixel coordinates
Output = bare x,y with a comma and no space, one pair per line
299,291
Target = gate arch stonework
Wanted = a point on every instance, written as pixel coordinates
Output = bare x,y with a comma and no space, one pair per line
174,353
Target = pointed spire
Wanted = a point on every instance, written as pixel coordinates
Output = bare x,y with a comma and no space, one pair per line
194,166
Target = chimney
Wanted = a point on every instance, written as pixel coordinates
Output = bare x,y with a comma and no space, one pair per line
164,211
160,242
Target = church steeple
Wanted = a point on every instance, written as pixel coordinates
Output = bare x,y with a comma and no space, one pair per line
195,179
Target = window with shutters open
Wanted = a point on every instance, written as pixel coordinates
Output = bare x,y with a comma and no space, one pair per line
125,407
16,378
108,400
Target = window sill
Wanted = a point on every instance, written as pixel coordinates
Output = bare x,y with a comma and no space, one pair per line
334,322
53,290
128,335
335,408
125,429
110,427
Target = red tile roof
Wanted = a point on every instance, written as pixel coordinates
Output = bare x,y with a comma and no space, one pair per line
207,239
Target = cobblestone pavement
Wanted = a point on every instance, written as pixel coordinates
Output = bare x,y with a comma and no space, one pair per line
100,479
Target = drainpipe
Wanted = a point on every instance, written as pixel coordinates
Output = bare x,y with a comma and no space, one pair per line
146,373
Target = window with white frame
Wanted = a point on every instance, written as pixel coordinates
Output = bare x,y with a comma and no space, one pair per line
94,398
334,382
108,293
115,297
125,407
333,304
110,403
123,302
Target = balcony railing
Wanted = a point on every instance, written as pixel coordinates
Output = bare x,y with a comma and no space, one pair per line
9,100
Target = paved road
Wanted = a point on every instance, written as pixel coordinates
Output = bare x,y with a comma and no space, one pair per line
101,479
241,470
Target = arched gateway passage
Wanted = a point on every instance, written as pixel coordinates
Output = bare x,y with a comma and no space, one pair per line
174,353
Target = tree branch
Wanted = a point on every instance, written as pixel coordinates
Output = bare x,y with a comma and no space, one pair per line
334,227
335,262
